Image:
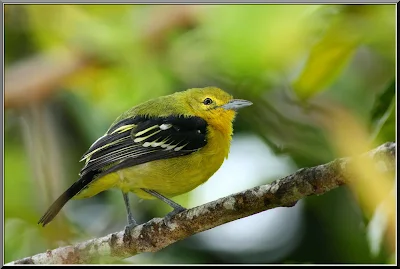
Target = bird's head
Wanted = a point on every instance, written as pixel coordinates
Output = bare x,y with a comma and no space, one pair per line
214,105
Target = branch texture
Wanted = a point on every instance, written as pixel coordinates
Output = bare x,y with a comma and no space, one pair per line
159,233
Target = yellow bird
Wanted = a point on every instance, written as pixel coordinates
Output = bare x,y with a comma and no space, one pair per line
161,148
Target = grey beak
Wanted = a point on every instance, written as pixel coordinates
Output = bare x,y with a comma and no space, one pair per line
236,104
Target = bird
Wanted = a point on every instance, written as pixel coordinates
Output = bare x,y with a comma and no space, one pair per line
161,148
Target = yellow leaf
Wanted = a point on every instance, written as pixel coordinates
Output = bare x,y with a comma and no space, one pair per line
329,56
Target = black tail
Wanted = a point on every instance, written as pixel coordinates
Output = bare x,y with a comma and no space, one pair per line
65,197
58,204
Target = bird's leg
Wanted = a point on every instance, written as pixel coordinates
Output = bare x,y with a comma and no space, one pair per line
131,221
177,208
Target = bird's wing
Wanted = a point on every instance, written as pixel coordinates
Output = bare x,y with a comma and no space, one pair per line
131,142
142,139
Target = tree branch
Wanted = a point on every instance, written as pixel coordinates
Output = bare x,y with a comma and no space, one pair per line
159,233
34,79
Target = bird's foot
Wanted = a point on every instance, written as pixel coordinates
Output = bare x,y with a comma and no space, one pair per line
176,210
131,224
129,228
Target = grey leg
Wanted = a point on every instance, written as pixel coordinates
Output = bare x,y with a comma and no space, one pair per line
131,221
177,208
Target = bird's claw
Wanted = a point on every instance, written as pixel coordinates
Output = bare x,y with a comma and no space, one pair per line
177,210
129,228
131,224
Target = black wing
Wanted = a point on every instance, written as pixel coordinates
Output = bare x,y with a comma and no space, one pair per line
143,139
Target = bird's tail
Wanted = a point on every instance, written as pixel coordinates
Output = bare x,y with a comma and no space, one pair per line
60,202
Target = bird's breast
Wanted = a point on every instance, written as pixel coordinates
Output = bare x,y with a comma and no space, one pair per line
176,176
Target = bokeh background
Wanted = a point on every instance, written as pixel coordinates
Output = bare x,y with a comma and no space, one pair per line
322,80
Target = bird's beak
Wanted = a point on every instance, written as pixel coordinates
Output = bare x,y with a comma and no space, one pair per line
236,104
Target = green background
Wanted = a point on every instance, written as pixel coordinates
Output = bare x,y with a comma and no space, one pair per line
72,69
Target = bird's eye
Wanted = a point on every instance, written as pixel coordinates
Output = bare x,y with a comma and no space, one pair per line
207,101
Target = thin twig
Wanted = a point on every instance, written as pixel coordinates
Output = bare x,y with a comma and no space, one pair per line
159,233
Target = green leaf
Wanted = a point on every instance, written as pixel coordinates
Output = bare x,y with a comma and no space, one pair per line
383,116
327,59
353,26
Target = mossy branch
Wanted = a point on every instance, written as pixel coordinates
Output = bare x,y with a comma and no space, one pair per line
159,233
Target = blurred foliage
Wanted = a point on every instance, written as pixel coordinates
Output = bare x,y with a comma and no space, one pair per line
383,115
298,64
